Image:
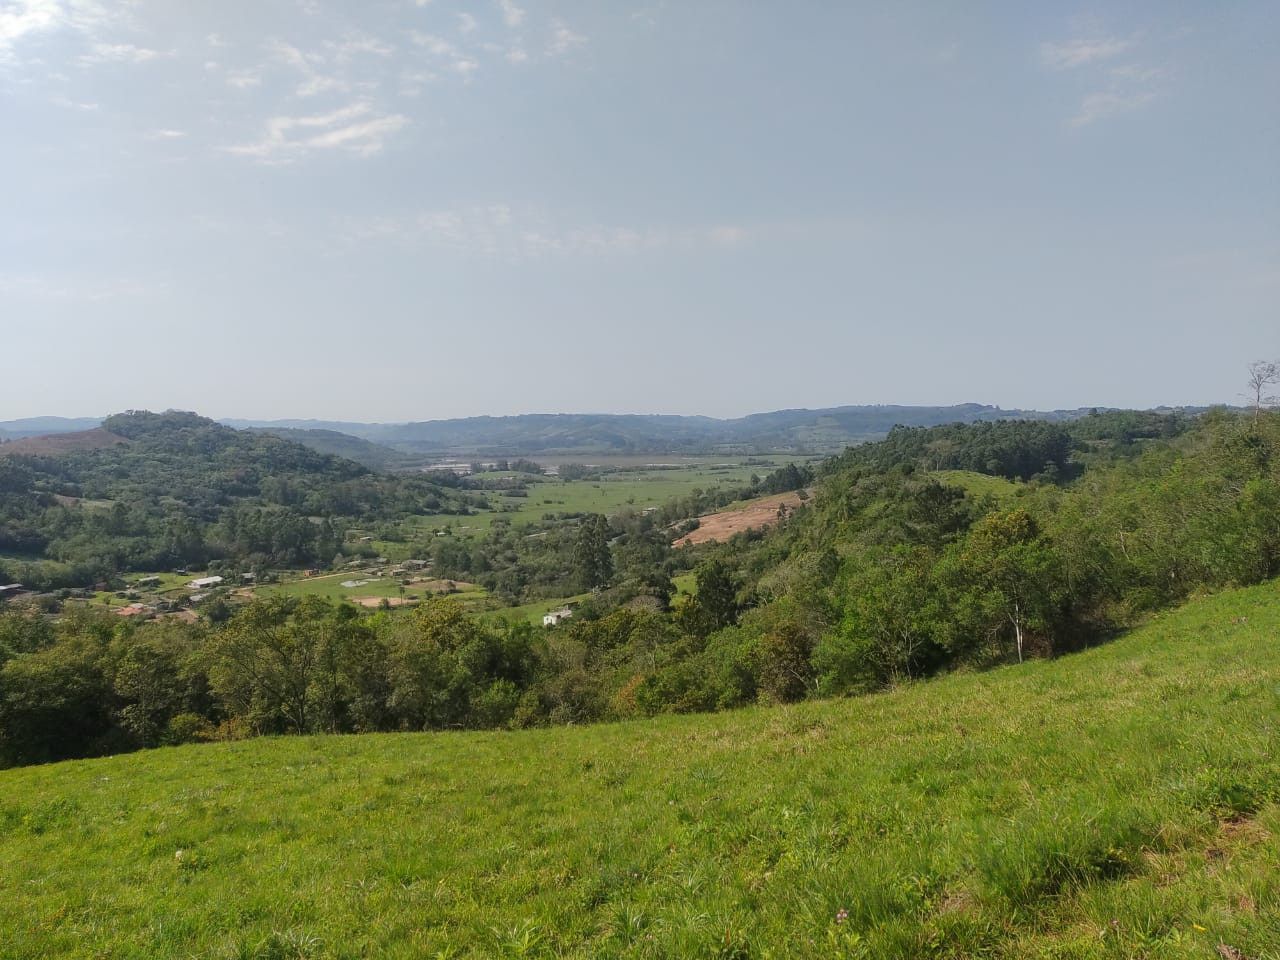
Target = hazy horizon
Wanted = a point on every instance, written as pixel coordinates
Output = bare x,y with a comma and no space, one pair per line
288,420
424,209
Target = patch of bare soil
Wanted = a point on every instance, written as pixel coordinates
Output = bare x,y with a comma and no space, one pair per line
58,443
753,515
379,601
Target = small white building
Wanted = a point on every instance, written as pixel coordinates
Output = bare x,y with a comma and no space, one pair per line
556,616
201,583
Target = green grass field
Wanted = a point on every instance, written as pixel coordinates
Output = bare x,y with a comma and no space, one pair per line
979,484
330,587
532,612
1117,803
636,488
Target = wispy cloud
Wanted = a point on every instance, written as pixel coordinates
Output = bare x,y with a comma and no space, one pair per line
357,45
356,129
467,23
22,20
119,53
314,78
166,134
73,288
500,231
512,15
445,54
69,104
1079,52
1110,88
244,79
563,39
1109,103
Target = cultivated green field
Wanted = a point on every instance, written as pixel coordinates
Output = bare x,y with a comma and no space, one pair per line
635,488
330,587
1118,803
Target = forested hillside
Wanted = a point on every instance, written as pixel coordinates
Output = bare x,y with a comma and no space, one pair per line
889,572
177,489
368,454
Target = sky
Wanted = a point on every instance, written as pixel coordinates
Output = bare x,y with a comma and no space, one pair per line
419,209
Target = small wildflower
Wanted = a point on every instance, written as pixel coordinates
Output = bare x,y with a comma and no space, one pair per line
842,915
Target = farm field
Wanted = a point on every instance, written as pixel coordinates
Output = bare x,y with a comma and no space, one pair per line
634,489
1116,803
746,515
332,587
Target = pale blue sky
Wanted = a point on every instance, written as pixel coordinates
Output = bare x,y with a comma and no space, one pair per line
394,209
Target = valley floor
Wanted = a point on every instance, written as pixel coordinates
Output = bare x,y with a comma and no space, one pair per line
1118,803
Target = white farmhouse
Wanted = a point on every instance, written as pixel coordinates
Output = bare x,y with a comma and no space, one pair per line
556,616
200,583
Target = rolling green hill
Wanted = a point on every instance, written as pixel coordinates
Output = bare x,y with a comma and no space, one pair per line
1120,802
372,455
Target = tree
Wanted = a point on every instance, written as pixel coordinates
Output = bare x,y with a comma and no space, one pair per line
592,561
1011,577
715,605
1263,375
266,660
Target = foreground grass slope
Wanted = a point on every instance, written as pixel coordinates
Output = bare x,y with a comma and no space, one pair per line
1117,803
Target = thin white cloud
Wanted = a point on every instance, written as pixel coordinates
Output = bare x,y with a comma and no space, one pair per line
1109,103
356,129
119,53
1079,52
563,39
512,15
23,20
467,23
82,289
314,80
69,104
446,54
360,45
244,79
1109,88
166,134
497,230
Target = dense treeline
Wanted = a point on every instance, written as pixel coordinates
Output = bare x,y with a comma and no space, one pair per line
1017,449
185,490
887,574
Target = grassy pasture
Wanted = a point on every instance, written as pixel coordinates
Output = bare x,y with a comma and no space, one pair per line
1118,803
979,484
533,612
635,488
330,587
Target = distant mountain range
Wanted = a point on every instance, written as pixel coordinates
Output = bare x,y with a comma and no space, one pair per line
780,431
388,446
43,426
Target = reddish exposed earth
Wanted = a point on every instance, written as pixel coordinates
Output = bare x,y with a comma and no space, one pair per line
752,515
56,443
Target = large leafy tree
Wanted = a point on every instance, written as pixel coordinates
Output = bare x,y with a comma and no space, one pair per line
1009,578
